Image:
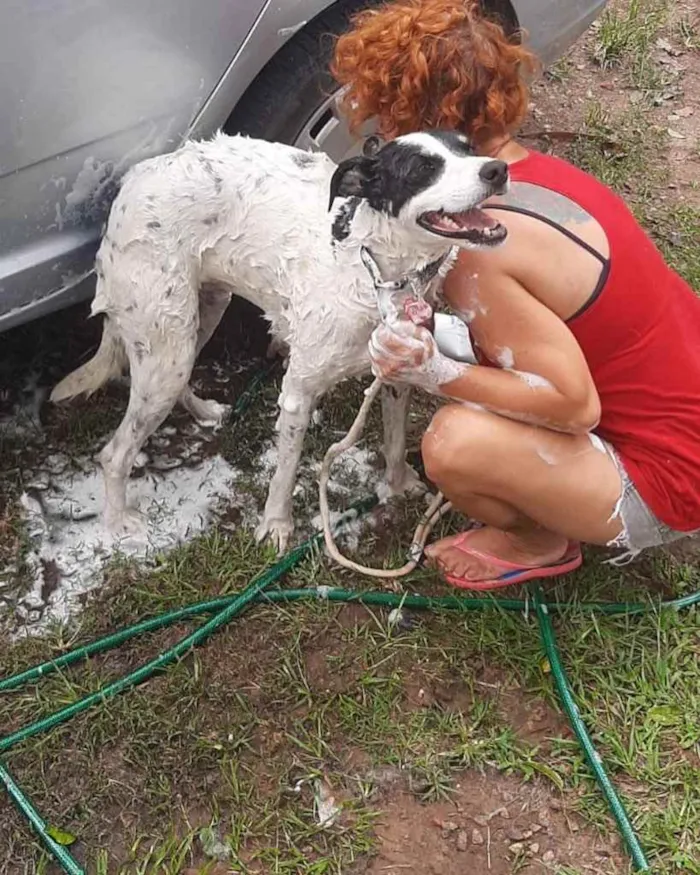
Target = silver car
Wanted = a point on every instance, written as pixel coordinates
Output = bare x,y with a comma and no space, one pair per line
90,87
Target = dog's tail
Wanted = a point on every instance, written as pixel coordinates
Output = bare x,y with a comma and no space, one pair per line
107,363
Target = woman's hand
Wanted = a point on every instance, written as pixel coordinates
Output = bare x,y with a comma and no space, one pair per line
402,352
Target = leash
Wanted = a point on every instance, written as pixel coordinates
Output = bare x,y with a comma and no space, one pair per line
419,311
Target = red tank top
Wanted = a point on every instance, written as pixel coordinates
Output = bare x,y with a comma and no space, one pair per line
640,334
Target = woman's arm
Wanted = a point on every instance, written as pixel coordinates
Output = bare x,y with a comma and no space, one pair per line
544,378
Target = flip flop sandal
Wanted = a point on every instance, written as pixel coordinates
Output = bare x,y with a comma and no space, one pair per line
512,572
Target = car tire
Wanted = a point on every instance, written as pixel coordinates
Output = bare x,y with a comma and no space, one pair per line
292,97
292,86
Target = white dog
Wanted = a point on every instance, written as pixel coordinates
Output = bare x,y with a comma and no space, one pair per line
251,218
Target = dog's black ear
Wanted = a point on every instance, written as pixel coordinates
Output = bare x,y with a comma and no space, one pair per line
371,146
352,178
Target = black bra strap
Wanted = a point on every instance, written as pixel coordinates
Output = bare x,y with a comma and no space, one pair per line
555,225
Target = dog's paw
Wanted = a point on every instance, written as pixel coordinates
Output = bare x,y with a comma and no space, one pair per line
278,530
129,525
403,482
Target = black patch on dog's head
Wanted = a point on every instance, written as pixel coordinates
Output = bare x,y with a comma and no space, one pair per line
389,176
457,143
353,177
343,220
371,146
403,171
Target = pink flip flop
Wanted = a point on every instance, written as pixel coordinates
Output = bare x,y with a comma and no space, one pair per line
513,573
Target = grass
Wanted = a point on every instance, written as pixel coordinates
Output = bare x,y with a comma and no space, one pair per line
224,750
285,693
625,37
621,149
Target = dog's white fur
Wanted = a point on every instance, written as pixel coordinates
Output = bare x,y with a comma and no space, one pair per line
251,218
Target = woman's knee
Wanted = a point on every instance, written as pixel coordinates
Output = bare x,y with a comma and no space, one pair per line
457,442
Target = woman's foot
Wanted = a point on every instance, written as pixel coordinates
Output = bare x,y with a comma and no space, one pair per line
470,560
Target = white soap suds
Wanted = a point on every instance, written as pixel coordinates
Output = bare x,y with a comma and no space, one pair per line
534,381
69,545
505,358
547,457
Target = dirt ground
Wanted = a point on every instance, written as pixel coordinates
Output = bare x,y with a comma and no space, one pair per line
435,743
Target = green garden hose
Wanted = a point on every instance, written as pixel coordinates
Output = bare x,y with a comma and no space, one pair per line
584,739
371,599
62,855
225,609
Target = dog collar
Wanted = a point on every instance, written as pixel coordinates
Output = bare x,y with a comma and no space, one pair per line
417,280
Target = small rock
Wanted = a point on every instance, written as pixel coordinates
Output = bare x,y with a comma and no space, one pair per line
544,817
480,820
536,827
548,857
505,814
448,826
462,840
534,848
477,838
515,834
516,848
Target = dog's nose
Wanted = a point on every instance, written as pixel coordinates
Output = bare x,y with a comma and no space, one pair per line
495,173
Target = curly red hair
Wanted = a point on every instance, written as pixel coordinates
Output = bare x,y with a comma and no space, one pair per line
420,64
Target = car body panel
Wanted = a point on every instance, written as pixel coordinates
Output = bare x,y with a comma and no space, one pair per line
552,26
91,87
139,74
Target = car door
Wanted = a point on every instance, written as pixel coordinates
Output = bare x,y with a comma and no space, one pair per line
87,88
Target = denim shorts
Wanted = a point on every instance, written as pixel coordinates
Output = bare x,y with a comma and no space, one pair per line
641,528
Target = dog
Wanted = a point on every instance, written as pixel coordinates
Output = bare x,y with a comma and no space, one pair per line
238,216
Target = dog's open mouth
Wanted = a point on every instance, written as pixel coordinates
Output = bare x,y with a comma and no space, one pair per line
473,225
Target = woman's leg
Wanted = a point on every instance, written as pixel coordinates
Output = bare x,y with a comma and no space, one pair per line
534,489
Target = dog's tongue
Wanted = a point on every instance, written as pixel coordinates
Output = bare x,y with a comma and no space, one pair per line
473,219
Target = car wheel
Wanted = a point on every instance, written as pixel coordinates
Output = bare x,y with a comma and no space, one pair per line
295,99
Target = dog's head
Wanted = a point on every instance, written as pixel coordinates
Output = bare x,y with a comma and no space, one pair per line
432,182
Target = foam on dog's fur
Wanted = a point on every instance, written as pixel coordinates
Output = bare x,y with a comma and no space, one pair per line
251,218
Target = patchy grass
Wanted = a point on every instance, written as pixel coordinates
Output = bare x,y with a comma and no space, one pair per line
625,35
426,730
236,734
621,150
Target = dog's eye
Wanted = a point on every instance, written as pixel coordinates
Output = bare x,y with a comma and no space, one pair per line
423,167
425,164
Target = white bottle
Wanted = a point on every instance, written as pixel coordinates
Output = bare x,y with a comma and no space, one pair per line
452,337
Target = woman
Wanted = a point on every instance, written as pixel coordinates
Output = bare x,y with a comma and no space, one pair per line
581,421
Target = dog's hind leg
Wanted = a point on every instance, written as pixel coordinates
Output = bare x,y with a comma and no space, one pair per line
160,362
297,400
399,477
212,306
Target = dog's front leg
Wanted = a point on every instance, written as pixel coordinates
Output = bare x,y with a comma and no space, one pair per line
296,405
399,477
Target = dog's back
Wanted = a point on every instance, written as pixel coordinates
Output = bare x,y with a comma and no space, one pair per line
234,213
236,209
